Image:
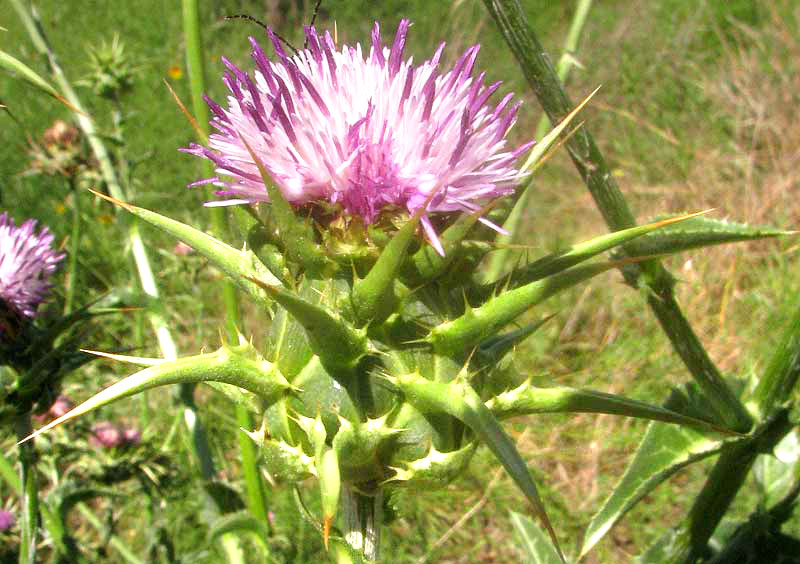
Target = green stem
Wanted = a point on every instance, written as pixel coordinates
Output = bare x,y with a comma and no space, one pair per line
51,521
363,519
591,165
721,487
29,523
195,58
783,371
9,474
75,245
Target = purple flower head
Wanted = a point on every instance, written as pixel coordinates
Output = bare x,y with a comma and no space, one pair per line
60,407
364,133
106,435
132,436
27,261
7,520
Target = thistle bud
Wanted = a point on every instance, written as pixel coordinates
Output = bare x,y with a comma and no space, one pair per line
111,70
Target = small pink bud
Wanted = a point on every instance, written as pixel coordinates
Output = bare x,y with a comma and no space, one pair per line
60,407
132,436
181,249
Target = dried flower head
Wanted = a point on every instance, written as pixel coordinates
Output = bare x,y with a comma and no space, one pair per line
368,134
27,263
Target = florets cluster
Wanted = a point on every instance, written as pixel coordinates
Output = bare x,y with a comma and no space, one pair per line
27,263
365,133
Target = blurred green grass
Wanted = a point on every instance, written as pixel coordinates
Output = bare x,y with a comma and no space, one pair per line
672,118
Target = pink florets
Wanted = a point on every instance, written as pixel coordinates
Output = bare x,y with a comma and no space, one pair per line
364,133
27,262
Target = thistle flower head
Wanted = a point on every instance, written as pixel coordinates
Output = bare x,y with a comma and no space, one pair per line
27,262
365,133
109,435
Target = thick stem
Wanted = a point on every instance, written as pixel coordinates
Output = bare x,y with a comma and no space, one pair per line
363,519
29,524
591,165
721,487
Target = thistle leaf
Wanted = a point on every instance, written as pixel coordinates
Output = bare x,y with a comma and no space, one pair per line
527,399
285,462
338,344
435,470
664,450
330,489
371,293
240,366
241,266
459,400
493,349
558,262
461,335
358,446
698,232
427,264
535,545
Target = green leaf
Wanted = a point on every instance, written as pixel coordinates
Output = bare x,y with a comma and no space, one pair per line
338,344
461,335
781,375
330,488
14,65
427,264
776,473
698,232
434,470
240,366
459,400
664,450
493,349
240,266
527,399
241,522
534,544
371,294
558,262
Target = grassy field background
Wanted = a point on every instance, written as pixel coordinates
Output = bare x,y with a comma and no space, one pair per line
697,110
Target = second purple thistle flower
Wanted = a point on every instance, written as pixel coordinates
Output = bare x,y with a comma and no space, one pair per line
367,134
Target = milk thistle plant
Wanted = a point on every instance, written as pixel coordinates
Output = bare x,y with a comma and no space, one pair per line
35,353
371,189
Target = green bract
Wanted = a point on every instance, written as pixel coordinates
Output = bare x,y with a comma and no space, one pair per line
385,362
